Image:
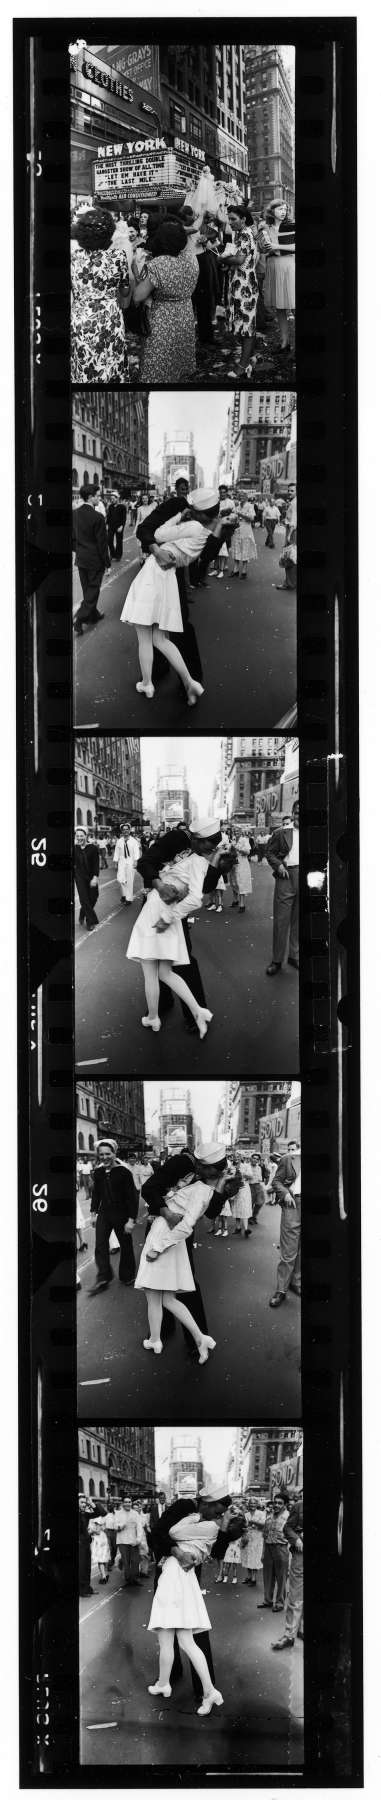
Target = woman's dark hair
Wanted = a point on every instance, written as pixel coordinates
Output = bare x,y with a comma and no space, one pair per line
169,239
95,229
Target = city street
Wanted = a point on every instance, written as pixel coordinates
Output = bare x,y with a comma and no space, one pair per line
246,632
255,1026
260,1725
257,1361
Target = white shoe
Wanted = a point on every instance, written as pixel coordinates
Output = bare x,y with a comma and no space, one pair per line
145,687
154,1344
206,1344
194,692
156,1689
204,1018
154,1024
220,577
212,1699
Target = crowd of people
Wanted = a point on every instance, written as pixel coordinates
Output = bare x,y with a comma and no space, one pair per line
177,1544
183,869
159,292
181,539
226,1187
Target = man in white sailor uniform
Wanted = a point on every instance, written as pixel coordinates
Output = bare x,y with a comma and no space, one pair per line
115,1201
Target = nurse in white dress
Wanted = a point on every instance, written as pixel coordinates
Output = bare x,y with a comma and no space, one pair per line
152,603
178,1606
157,940
164,1269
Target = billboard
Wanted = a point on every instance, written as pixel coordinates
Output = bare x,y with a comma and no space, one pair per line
140,62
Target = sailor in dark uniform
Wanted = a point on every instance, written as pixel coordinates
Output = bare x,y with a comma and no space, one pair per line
115,1201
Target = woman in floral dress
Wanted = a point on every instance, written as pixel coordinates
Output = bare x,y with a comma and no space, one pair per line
101,268
169,353
243,546
243,296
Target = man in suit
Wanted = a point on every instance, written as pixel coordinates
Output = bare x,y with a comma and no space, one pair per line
116,519
91,555
202,841
286,1187
145,533
116,1203
282,853
86,872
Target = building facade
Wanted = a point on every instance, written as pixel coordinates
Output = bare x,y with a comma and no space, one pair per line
112,1107
258,1453
179,453
114,1460
109,108
261,431
177,1127
172,796
110,440
85,805
186,1468
113,766
250,1103
202,89
290,775
270,114
152,137
253,780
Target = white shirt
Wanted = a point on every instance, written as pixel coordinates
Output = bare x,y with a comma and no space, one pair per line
128,1527
292,859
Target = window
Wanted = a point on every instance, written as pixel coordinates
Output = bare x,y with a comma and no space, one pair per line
91,1141
91,1487
84,445
196,129
80,1484
75,478
79,819
101,1490
94,447
89,820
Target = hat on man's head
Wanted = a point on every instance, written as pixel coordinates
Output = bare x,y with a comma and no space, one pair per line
211,1153
213,1493
107,1144
204,499
205,828
181,475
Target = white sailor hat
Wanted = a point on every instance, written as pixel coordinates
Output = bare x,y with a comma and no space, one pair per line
214,1492
205,828
109,1143
211,1153
203,499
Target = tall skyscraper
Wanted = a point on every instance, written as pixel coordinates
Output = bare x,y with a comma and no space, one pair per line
270,126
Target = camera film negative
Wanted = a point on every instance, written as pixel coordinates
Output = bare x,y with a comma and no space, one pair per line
189,1031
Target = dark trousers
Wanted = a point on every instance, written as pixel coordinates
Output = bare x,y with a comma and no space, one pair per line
129,1554
191,974
88,897
275,1571
286,916
115,543
84,1568
186,639
108,1220
203,1640
91,582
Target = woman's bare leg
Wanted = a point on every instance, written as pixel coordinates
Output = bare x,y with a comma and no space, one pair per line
166,1639
154,1300
174,657
176,1306
179,987
151,983
145,643
196,1656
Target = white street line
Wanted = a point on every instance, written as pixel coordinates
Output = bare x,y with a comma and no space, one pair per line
97,1381
110,1725
111,883
90,1060
106,1602
99,927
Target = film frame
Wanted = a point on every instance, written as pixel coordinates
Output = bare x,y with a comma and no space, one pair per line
329,987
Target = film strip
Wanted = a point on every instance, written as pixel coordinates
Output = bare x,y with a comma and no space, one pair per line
329,996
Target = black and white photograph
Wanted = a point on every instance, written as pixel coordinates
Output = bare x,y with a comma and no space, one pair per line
182,213
189,1196
174,836
182,1672
185,558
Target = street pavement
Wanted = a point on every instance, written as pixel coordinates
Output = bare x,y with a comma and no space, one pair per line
260,1725
255,1368
246,631
255,1027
